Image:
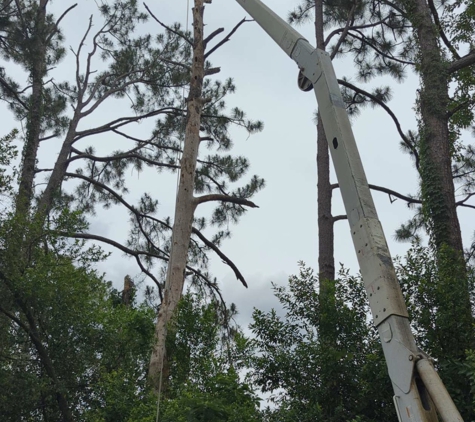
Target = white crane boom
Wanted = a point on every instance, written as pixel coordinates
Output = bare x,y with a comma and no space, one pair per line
418,390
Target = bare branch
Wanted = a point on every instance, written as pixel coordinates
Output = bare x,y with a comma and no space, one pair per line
226,38
224,198
344,33
462,202
167,27
56,25
111,91
145,271
90,55
212,71
125,249
113,125
339,217
81,88
46,138
390,192
225,259
119,198
212,35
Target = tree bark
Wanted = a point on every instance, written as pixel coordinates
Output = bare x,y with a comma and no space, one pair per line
454,321
60,168
37,52
326,260
436,171
185,204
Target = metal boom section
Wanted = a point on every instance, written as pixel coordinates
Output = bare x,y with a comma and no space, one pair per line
417,386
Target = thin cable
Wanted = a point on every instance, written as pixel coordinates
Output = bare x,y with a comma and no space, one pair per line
159,391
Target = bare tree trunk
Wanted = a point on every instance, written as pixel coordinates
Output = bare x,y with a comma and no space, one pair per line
185,202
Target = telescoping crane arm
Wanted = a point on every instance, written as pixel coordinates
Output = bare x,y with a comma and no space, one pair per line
418,390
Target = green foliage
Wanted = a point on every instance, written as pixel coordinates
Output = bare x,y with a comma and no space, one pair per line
64,332
206,351
313,379
8,152
438,308
206,354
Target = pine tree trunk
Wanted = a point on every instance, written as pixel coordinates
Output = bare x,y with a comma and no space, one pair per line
437,181
454,321
35,113
326,260
185,203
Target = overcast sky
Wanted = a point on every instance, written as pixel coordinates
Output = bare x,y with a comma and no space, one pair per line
269,241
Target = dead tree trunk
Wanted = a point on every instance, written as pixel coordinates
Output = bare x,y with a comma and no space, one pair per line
185,202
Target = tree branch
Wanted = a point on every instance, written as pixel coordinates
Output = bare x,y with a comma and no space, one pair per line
225,259
224,198
226,38
212,71
122,157
211,36
113,125
14,94
117,245
345,32
462,202
390,192
339,217
441,31
389,111
56,25
363,39
337,31
461,63
167,27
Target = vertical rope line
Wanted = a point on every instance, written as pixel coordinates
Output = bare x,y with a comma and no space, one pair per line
159,390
